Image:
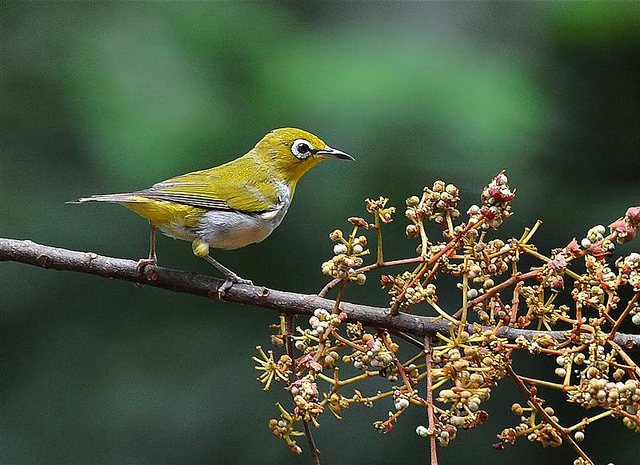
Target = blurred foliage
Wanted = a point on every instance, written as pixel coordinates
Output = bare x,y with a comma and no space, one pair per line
109,97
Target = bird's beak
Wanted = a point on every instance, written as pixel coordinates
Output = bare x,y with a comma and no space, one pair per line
330,152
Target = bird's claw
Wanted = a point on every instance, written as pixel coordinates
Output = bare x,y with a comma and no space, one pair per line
231,280
144,262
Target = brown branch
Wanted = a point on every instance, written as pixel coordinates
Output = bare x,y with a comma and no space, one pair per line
29,252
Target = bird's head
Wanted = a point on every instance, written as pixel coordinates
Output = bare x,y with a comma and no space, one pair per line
291,152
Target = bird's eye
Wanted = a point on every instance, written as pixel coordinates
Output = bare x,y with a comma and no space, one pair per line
301,149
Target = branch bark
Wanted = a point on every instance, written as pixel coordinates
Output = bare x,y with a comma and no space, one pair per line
28,252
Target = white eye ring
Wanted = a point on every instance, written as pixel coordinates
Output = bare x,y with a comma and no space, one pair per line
301,149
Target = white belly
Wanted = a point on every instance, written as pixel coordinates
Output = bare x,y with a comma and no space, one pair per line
230,229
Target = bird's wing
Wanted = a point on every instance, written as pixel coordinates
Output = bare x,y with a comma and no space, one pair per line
217,189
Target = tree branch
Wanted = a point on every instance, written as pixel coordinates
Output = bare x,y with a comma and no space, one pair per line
29,252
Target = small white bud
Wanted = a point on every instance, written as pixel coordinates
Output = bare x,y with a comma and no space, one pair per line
339,249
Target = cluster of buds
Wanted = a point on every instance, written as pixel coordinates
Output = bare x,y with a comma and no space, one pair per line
284,429
444,433
305,397
547,435
594,235
496,200
465,406
379,209
538,308
320,321
626,227
596,243
554,271
600,392
590,291
480,362
629,273
413,294
436,203
347,257
490,259
595,361
376,354
473,368
336,403
401,399
592,296
463,364
442,199
564,363
305,388
535,431
417,293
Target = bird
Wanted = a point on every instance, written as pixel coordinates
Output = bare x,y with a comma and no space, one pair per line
231,205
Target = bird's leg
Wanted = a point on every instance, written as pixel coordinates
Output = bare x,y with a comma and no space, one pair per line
153,259
201,249
232,278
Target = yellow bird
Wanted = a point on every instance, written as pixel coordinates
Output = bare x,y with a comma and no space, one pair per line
232,205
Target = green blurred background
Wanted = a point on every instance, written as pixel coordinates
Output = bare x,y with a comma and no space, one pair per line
111,97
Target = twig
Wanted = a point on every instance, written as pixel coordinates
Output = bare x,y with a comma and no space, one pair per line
29,252
288,338
447,249
315,452
430,415
532,398
623,315
495,289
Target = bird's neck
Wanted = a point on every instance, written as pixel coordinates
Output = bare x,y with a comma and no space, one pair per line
282,171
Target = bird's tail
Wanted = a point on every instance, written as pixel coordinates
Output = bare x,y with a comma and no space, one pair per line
112,198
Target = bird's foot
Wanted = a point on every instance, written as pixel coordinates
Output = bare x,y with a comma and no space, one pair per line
232,278
230,281
144,262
